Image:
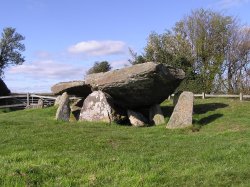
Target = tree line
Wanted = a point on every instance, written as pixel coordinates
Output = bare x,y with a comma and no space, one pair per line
213,50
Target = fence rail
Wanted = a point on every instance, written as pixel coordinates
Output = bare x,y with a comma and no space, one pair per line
204,95
25,100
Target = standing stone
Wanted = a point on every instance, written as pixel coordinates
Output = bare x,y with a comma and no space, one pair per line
155,115
76,108
182,114
58,100
136,119
40,103
63,111
98,106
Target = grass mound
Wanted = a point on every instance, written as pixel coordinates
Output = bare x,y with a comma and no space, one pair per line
36,150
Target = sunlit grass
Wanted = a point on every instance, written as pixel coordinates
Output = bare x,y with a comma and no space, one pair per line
36,150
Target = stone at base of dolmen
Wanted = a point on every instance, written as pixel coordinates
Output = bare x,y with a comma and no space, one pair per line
98,107
63,110
136,119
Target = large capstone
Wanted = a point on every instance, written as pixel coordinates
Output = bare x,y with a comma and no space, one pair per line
99,107
138,86
183,111
4,90
77,88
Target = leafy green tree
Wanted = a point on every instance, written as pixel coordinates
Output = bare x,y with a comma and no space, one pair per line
198,44
136,59
11,47
98,67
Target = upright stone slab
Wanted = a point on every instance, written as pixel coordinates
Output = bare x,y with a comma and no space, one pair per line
136,119
98,106
58,100
76,108
63,111
182,114
155,115
40,103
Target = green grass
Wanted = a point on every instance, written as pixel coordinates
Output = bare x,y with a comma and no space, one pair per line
36,150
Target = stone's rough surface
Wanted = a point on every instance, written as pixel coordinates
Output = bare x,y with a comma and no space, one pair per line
136,119
77,88
141,85
63,111
4,90
40,103
155,115
76,108
58,100
98,106
182,114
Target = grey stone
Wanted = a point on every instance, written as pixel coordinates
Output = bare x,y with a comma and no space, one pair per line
58,100
182,114
77,88
136,119
76,108
63,111
40,103
98,106
138,86
4,90
155,115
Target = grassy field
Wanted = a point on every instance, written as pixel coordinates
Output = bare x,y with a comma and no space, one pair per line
36,150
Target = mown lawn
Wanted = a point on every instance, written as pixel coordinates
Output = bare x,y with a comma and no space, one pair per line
36,150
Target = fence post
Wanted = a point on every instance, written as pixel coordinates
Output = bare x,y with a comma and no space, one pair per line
203,95
241,96
28,99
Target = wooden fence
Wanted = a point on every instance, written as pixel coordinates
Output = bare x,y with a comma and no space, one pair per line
204,96
24,100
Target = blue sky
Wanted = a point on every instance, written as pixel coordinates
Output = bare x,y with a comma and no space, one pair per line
65,37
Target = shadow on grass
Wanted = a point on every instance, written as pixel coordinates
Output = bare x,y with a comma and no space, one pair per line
208,119
204,108
198,108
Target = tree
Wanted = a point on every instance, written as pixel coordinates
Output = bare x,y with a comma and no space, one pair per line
236,66
136,59
98,67
11,47
198,44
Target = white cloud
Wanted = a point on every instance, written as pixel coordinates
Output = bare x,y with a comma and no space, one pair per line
48,69
230,3
98,48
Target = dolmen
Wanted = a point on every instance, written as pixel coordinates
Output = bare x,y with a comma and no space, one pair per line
129,94
4,90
